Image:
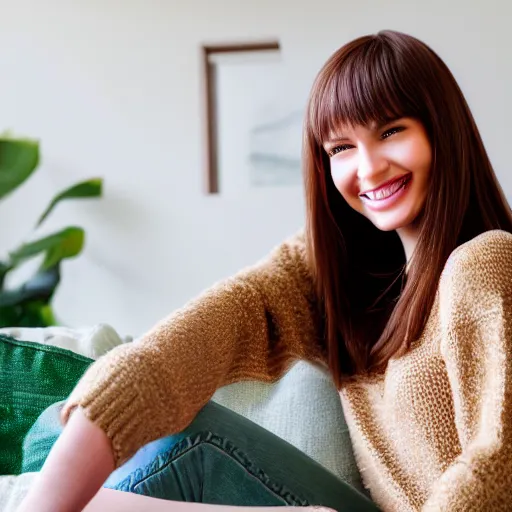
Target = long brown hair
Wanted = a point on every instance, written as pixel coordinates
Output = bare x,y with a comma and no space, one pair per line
372,313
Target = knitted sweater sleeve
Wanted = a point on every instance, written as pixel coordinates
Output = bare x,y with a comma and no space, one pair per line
476,309
251,326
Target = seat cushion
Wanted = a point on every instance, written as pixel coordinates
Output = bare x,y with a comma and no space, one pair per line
32,377
303,408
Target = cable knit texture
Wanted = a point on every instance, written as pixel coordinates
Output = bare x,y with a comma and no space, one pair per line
433,433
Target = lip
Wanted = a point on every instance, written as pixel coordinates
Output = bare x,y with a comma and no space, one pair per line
385,184
384,204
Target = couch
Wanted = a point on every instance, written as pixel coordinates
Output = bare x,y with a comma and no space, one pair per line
302,408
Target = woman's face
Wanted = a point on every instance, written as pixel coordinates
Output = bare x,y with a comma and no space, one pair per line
382,171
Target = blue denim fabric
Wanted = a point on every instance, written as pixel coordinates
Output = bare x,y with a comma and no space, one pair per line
224,458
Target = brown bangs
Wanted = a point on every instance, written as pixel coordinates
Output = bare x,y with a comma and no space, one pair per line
359,87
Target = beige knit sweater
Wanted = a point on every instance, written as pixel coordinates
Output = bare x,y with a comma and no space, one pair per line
434,433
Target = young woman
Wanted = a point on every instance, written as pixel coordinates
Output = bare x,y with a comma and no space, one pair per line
401,286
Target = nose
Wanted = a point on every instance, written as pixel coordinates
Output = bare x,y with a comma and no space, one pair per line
371,163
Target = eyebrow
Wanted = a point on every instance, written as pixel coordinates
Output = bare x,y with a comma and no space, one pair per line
335,140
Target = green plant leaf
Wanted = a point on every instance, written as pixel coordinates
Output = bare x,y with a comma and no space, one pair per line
47,315
4,269
36,314
89,188
71,245
40,287
29,314
19,158
9,316
58,246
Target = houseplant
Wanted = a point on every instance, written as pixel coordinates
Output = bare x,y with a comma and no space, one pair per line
29,303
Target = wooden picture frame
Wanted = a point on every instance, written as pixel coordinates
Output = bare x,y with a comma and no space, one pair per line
210,102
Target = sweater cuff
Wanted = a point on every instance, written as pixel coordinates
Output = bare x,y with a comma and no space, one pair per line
119,393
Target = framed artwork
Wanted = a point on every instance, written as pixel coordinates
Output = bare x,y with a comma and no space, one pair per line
253,120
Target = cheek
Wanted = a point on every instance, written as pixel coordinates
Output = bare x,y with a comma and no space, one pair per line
423,167
419,156
345,181
427,160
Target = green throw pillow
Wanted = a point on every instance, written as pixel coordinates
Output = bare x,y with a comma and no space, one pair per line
32,377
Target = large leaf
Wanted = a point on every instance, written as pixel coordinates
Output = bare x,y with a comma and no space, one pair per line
18,160
30,314
58,246
89,188
4,269
29,305
39,287
37,314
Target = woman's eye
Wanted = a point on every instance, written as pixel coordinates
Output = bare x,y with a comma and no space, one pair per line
392,131
339,149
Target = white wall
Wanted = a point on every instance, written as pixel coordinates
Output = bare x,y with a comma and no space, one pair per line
112,88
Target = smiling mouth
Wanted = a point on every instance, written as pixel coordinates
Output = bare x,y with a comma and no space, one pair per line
387,190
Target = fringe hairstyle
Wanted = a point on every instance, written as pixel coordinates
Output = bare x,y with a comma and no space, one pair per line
371,312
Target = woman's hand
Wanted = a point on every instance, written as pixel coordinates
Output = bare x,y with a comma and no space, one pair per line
76,468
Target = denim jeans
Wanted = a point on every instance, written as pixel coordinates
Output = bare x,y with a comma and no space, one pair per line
221,458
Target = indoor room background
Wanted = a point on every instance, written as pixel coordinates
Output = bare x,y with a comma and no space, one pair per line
114,89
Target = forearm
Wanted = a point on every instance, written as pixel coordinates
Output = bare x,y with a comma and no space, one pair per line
117,501
75,469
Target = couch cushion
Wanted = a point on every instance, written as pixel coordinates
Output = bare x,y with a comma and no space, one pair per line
32,377
304,408
92,341
13,489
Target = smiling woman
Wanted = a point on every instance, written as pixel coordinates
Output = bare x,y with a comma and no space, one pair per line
395,157
401,287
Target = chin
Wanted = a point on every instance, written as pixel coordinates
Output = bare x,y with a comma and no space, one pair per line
387,226
393,224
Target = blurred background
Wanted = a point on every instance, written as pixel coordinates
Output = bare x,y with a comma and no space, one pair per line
114,89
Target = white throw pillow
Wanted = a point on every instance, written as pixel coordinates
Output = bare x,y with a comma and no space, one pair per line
90,342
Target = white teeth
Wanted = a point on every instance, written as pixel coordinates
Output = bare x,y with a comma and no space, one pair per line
384,193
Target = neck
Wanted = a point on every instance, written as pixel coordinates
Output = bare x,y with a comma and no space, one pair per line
409,238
